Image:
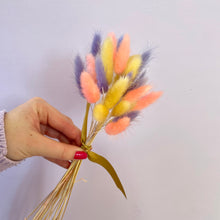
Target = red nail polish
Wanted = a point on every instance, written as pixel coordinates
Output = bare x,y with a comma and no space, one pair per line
80,155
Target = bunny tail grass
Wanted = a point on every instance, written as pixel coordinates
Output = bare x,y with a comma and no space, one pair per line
116,92
145,58
78,68
133,65
132,115
134,95
90,65
90,89
146,101
121,108
96,44
100,75
100,112
114,128
119,41
139,81
122,55
55,204
107,53
114,40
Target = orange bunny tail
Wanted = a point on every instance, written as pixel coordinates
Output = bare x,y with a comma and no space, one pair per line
114,40
122,55
135,94
90,89
146,101
90,65
113,128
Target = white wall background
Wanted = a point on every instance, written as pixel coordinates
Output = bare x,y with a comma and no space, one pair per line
169,161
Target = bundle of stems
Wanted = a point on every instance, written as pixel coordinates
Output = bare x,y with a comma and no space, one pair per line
55,204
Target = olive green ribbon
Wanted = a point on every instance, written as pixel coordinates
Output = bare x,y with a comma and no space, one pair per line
96,158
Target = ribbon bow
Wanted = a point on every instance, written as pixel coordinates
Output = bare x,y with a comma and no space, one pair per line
96,158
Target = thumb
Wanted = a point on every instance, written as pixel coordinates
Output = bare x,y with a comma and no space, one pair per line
47,147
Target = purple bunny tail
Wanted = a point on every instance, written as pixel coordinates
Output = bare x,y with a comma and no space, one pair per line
132,115
100,74
119,41
79,67
140,80
145,59
96,44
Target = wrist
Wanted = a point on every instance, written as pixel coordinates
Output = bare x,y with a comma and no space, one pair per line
5,162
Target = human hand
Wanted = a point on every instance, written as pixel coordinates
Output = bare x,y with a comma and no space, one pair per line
27,125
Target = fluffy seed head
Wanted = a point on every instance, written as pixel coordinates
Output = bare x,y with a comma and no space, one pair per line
140,80
134,95
113,128
119,41
133,65
114,40
121,108
100,75
90,89
90,65
100,112
122,55
116,92
107,52
132,115
146,101
145,58
96,44
78,70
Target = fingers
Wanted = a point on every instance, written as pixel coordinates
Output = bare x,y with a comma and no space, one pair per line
48,115
63,163
47,130
46,147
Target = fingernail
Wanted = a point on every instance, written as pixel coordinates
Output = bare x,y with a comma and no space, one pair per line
80,155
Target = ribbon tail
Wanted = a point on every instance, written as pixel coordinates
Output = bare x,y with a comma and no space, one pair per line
96,158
